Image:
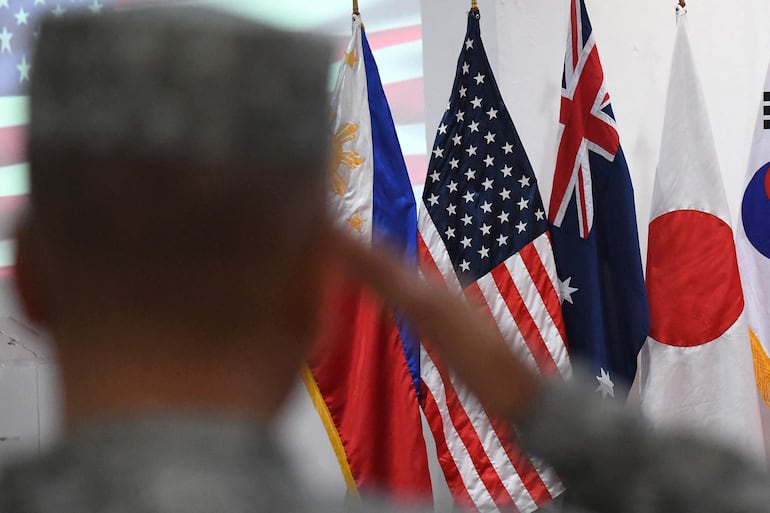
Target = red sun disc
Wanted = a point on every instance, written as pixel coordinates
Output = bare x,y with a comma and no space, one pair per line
693,285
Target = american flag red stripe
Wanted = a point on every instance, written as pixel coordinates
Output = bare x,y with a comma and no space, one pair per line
467,431
472,439
523,318
483,231
471,444
537,266
12,144
532,323
448,464
524,466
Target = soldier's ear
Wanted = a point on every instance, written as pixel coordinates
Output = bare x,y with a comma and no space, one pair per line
27,274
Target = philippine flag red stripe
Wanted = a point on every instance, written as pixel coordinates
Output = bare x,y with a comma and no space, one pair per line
350,374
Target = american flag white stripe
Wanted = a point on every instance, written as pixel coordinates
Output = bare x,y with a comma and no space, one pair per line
553,341
489,441
487,473
505,321
471,480
536,287
463,418
521,276
434,250
545,252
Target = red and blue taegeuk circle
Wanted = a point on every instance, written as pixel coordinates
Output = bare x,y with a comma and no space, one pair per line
755,210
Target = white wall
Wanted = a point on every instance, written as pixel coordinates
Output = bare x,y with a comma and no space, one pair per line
526,40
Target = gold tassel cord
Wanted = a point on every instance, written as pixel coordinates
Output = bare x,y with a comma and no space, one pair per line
331,429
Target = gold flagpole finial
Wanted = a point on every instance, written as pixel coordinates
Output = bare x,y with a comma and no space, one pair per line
474,5
355,8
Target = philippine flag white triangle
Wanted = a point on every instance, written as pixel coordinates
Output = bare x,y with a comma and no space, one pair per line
753,246
695,368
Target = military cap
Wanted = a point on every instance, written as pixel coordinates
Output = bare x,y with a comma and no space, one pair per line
178,83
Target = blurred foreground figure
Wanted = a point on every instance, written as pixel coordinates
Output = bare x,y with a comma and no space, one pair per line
176,245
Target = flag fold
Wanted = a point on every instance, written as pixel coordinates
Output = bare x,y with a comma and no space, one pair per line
482,229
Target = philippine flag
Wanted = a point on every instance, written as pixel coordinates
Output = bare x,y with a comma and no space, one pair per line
696,367
364,377
753,246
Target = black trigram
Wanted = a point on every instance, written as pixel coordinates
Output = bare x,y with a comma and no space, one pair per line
766,110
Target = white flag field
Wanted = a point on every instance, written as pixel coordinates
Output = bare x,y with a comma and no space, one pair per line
696,367
753,246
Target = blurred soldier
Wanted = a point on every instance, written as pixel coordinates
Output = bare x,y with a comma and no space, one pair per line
174,247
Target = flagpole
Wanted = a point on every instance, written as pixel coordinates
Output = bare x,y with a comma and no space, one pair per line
355,8
474,5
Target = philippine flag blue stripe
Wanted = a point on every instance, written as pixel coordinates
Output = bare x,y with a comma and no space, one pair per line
394,210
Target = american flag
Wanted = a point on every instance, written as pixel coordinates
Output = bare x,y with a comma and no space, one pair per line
593,222
18,30
483,229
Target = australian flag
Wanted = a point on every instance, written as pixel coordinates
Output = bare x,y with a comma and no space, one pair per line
593,222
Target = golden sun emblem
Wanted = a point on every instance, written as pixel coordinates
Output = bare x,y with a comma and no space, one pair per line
350,59
349,159
356,222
